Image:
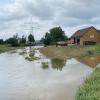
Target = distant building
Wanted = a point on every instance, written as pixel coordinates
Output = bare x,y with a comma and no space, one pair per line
87,36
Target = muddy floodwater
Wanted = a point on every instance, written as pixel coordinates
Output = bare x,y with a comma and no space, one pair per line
21,79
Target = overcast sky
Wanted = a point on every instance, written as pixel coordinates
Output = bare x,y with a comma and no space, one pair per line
17,16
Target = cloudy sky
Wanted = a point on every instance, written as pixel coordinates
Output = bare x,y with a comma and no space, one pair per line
18,16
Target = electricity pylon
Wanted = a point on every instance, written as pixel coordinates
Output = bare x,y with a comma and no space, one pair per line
32,26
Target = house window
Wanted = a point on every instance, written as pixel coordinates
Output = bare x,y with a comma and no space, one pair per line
91,36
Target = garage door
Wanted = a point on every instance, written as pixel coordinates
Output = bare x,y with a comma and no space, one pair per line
89,43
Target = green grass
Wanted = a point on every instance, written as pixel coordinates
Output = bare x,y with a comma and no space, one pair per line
74,51
7,47
90,90
4,48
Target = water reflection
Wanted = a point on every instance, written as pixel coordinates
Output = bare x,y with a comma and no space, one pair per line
31,51
58,63
23,52
91,61
14,51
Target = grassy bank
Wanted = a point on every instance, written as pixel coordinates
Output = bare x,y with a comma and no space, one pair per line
4,48
90,90
87,54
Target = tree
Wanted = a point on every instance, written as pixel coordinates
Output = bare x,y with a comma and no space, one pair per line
55,34
1,41
31,38
12,41
47,39
23,40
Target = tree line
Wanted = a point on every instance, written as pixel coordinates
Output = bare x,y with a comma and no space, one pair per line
54,35
19,41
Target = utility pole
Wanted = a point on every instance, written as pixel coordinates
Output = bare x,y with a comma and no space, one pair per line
31,29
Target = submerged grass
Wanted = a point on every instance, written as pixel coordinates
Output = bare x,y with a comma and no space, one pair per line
90,90
45,65
31,58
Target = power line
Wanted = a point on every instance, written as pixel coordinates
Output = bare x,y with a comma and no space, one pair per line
32,26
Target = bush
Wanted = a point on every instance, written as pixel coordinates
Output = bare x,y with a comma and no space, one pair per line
12,41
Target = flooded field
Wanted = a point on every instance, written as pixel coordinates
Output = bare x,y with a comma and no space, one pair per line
21,79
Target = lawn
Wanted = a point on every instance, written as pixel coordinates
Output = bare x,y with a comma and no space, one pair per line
90,89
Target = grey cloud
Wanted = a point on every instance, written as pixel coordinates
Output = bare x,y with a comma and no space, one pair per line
89,2
66,13
81,10
41,9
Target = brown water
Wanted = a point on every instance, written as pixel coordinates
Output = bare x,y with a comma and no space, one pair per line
24,80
